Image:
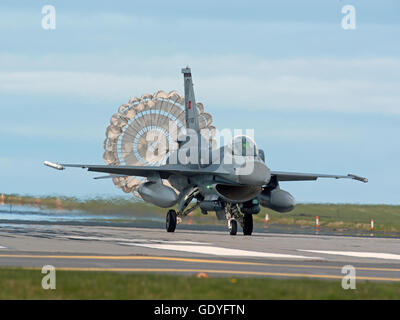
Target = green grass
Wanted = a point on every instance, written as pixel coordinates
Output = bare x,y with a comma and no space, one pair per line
26,284
340,216
332,216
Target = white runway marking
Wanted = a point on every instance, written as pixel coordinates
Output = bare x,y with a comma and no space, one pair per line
73,237
219,251
377,255
178,242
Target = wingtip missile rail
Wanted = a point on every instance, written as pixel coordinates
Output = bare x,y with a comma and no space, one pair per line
53,165
362,179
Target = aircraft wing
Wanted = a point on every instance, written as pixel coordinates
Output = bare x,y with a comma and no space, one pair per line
143,171
297,176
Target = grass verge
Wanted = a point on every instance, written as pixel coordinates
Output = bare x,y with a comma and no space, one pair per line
26,284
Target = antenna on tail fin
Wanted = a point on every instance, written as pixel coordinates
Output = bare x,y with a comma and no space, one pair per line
192,121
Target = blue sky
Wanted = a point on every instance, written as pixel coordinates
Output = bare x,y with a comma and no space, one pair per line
320,98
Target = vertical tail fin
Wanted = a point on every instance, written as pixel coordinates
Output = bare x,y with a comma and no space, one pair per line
192,120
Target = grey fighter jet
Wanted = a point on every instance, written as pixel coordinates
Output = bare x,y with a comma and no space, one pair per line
233,181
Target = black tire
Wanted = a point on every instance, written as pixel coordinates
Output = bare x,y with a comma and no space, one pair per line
233,229
248,224
170,223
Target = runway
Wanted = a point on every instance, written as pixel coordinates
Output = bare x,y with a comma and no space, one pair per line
188,252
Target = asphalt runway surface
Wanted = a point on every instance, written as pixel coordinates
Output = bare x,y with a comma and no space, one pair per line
190,251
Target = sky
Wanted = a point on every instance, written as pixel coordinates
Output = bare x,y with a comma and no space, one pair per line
320,98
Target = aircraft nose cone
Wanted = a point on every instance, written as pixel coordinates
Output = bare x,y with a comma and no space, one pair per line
253,172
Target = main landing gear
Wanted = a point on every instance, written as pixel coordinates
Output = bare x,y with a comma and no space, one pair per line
232,214
247,224
175,217
171,219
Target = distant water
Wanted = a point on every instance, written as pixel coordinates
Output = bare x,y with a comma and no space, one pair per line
38,214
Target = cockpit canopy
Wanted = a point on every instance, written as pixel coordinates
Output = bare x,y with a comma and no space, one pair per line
244,146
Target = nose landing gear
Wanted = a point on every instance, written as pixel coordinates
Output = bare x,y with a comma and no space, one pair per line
233,215
232,224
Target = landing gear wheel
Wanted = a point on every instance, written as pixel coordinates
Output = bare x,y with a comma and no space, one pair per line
233,227
248,224
170,224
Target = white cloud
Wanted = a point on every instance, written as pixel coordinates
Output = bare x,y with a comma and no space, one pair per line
72,132
365,85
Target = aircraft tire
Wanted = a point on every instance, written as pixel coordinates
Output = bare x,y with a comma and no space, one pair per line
170,223
248,224
233,229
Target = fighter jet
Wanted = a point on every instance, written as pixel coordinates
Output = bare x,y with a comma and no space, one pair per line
233,181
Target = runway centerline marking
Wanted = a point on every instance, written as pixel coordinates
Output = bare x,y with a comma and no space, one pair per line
198,260
220,251
358,254
255,273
